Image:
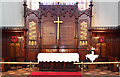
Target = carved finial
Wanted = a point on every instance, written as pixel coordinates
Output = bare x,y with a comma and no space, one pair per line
25,1
91,3
76,3
91,0
58,3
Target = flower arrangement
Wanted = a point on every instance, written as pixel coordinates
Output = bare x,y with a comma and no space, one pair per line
14,39
92,50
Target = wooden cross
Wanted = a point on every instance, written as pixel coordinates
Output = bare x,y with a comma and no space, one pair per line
58,24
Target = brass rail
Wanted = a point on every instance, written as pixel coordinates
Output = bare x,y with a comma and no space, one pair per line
74,63
98,63
30,63
83,63
19,63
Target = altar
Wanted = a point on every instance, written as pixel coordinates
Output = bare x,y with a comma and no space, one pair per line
58,61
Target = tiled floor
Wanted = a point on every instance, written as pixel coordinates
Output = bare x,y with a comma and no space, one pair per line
19,71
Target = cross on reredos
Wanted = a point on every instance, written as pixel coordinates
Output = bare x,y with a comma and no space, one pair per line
58,25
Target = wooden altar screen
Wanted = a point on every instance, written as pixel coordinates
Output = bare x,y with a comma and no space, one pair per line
42,35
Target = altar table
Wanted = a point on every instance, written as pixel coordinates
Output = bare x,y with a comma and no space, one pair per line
58,57
57,61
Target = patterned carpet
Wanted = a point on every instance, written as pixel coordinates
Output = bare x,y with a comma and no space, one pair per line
24,72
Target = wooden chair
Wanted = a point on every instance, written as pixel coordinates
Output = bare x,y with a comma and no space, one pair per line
113,67
102,59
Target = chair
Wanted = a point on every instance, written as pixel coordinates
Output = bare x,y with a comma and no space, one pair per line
113,67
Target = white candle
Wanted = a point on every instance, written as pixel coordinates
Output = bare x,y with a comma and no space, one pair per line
92,52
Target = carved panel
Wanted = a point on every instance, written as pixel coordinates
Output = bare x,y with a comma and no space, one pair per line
83,33
49,50
48,29
32,34
17,50
66,50
12,49
58,10
67,32
32,55
33,31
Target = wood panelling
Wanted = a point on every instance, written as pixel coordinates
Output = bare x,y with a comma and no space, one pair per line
32,55
110,47
10,50
82,55
48,29
67,32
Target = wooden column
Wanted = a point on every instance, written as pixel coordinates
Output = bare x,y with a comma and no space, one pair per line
40,36
91,5
76,34
25,33
76,29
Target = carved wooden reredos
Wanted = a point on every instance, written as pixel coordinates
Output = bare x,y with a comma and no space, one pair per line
42,31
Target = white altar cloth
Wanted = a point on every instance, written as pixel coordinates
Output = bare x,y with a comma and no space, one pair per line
55,57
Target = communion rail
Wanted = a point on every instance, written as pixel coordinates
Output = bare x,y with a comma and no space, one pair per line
25,63
90,63
81,63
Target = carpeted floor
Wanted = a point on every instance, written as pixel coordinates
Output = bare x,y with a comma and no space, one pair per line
24,72
55,74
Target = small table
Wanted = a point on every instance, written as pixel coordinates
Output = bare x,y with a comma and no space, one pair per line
91,57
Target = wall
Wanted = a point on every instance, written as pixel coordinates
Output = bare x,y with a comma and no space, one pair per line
105,13
0,13
12,13
119,12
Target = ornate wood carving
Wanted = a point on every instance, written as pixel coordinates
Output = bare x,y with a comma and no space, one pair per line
57,10
32,33
69,30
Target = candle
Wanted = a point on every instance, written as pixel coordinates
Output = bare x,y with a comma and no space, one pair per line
92,52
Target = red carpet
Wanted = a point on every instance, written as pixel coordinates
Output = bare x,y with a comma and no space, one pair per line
55,74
